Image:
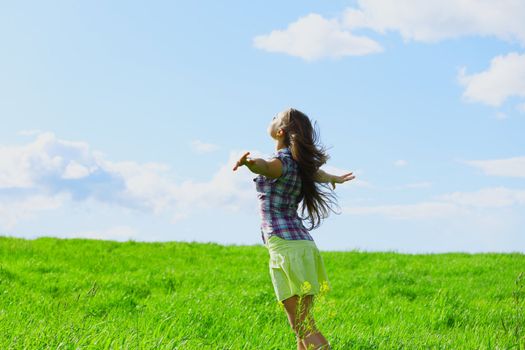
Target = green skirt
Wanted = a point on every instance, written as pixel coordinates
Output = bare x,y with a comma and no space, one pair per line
296,268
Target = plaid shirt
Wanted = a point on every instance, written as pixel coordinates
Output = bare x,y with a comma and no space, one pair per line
279,199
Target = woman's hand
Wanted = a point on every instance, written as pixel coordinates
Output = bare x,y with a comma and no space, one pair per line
341,179
244,160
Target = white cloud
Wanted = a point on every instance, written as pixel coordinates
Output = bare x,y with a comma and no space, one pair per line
75,170
400,162
29,132
504,78
448,205
494,197
511,167
313,37
13,210
12,169
44,160
423,210
227,189
37,175
202,147
457,204
521,107
434,20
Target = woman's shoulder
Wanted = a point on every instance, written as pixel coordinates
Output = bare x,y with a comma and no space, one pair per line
283,153
290,166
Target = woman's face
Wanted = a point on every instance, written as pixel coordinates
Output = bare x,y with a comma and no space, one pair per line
276,124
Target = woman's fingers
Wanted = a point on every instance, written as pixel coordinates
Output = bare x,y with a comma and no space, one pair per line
348,177
241,161
343,178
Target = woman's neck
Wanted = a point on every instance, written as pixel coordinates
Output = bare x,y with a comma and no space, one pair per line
280,144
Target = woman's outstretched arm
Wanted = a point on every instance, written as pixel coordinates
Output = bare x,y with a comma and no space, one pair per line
323,176
271,169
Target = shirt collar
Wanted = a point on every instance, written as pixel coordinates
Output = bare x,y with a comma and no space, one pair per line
285,149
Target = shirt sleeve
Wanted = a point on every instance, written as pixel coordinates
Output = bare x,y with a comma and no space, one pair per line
285,165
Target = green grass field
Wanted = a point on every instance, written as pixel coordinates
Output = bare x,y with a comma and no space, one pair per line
92,294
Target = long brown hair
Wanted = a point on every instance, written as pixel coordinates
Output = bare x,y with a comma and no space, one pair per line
303,141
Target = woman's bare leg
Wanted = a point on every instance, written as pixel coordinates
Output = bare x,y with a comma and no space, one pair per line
300,344
299,311
290,306
316,341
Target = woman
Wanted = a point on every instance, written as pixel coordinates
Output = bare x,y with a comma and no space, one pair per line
291,178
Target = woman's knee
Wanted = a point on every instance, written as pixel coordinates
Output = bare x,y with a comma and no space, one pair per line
299,311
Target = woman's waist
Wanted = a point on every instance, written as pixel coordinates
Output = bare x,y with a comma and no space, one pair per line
276,220
275,242
279,199
279,209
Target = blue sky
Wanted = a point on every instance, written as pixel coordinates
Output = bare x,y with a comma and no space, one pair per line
123,120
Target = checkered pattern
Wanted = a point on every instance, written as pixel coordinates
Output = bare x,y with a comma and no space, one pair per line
279,200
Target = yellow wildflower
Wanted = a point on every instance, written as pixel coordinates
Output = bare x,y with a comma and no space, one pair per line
325,287
305,288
